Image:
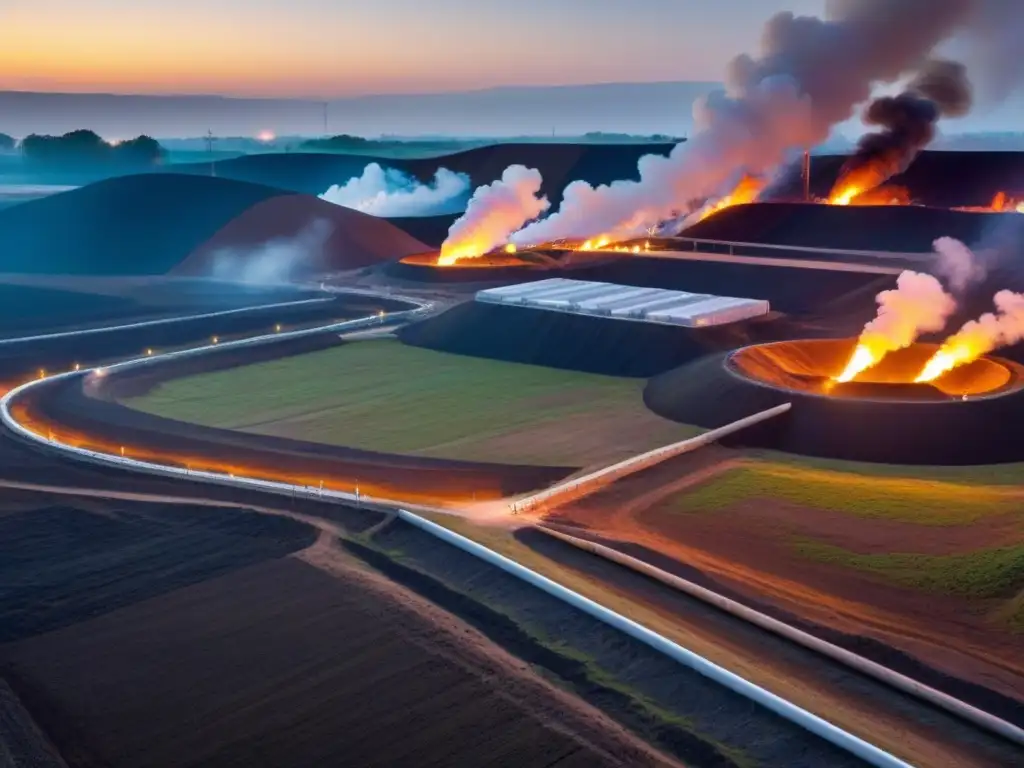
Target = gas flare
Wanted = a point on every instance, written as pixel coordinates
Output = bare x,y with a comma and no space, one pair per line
887,194
494,212
1003,203
809,77
747,190
595,244
919,304
977,337
907,124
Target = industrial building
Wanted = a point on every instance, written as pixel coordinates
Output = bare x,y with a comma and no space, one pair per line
625,302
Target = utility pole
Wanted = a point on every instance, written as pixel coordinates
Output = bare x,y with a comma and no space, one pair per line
805,175
209,151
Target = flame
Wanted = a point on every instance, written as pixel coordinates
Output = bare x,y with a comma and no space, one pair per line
884,195
968,344
746,191
452,254
977,337
868,353
860,176
1001,203
494,214
945,360
595,244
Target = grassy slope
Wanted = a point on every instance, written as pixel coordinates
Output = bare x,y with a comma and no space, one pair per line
992,474
385,396
907,499
983,573
876,492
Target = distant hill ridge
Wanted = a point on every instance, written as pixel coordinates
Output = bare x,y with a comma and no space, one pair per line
664,107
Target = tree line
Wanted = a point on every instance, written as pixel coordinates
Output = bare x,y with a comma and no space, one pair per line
84,149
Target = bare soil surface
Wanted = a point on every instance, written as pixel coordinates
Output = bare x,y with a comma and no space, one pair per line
138,659
676,708
747,549
22,744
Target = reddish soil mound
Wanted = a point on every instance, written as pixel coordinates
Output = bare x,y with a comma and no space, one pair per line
318,236
133,225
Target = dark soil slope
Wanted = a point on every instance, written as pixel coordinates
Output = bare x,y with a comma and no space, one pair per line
559,164
27,308
313,173
558,340
307,172
946,179
872,228
707,394
311,235
431,230
787,289
141,224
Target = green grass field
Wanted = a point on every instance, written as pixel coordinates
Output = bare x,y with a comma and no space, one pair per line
384,396
984,573
907,499
986,474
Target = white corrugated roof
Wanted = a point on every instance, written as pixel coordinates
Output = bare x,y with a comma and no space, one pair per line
654,305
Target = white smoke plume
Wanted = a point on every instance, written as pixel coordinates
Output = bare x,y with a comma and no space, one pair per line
275,261
992,330
494,212
389,192
809,77
958,264
918,305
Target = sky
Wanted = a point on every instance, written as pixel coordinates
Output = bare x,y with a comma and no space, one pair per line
336,48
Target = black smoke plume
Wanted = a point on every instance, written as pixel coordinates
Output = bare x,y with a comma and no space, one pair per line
908,122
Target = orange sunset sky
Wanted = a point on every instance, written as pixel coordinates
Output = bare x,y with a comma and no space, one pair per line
329,48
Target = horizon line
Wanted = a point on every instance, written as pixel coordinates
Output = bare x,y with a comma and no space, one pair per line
353,97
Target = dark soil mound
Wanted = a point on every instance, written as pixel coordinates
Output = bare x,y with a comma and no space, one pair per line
787,289
793,290
871,228
313,173
25,308
942,178
559,164
431,230
707,393
308,172
141,224
300,235
559,340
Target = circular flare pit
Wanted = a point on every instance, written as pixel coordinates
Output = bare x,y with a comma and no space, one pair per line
487,261
810,366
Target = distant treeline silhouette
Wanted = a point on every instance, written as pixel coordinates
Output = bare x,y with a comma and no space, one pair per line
7,143
86,149
347,143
